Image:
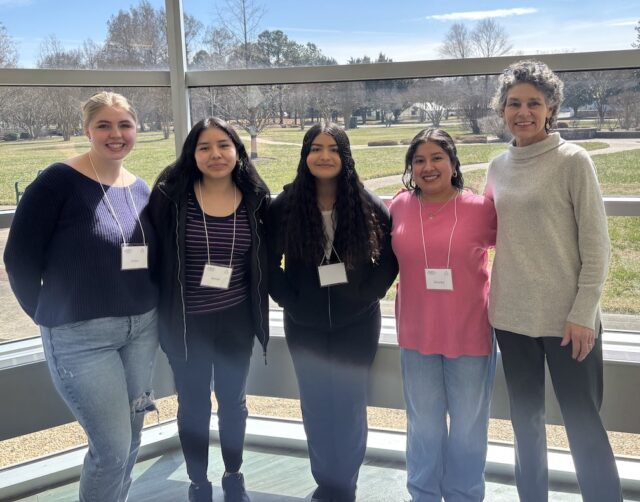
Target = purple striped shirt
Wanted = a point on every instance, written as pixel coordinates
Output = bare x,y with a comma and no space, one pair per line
202,299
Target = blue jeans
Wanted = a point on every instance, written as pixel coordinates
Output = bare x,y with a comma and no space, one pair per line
102,368
447,462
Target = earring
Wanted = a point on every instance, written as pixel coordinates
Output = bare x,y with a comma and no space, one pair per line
455,174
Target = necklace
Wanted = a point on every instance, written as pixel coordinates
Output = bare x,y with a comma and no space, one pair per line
435,213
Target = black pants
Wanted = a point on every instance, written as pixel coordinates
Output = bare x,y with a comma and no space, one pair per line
332,368
218,343
578,387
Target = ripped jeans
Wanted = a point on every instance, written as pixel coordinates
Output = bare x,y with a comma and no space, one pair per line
102,368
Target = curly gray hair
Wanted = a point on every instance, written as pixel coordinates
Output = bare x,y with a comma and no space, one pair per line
538,75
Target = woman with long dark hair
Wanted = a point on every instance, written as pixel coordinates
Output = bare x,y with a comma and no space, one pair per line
208,209
335,239
441,236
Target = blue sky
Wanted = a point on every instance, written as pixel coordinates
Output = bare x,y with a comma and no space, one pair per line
405,30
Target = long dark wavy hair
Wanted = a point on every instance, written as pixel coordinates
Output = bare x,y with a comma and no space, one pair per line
358,234
179,177
443,140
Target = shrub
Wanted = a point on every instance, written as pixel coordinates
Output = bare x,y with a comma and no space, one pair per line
383,142
492,124
11,136
472,138
25,135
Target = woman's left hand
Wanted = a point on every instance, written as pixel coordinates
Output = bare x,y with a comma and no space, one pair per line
581,338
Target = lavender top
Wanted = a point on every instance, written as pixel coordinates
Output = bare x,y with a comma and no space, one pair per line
63,254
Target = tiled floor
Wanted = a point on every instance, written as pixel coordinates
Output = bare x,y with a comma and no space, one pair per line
271,476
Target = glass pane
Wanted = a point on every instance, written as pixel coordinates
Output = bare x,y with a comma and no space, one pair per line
383,116
257,34
117,35
40,126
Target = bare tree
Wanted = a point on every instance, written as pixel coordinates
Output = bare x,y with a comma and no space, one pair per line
433,99
490,39
63,103
136,38
487,39
241,18
8,51
457,43
27,111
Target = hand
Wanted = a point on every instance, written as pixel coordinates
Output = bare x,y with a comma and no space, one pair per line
581,338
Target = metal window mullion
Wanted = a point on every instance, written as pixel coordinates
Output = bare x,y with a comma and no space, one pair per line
177,69
83,78
586,61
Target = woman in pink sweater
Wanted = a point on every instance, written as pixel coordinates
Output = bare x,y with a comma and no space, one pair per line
441,234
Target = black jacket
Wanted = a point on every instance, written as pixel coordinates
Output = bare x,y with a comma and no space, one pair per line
168,216
297,288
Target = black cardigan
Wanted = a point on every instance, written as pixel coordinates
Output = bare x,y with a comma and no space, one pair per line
168,216
297,288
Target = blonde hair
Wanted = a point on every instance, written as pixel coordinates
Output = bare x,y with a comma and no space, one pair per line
105,98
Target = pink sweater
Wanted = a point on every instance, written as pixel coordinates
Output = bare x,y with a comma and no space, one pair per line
450,323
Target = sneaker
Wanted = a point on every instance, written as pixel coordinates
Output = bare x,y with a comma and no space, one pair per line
233,488
201,492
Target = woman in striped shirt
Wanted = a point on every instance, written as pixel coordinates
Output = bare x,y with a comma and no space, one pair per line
208,210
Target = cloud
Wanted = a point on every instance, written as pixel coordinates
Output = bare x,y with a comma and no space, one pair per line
483,14
629,22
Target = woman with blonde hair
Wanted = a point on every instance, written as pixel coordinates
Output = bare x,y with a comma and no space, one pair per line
77,258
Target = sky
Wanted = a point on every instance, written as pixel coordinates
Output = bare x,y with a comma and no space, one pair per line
404,30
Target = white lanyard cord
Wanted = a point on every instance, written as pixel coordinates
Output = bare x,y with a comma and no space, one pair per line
324,256
112,209
455,223
204,222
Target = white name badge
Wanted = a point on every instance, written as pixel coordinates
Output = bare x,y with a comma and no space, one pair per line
439,278
216,276
332,274
134,256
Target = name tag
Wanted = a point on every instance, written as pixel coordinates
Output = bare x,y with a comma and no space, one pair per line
332,274
439,278
134,257
216,276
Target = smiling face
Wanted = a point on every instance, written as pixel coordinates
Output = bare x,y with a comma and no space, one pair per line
525,114
432,170
216,154
112,132
324,160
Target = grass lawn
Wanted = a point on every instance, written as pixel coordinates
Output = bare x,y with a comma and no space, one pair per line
618,173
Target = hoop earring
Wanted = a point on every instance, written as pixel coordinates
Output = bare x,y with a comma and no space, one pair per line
455,174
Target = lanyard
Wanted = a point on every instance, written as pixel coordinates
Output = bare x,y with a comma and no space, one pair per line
112,209
455,223
204,222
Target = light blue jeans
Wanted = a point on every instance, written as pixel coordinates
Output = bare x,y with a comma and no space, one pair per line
447,462
102,368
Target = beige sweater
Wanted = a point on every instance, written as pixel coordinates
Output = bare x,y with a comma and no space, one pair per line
552,248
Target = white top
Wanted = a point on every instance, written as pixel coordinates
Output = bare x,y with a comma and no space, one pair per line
552,246
329,231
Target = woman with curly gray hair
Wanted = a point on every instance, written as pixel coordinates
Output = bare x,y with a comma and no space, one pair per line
552,253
